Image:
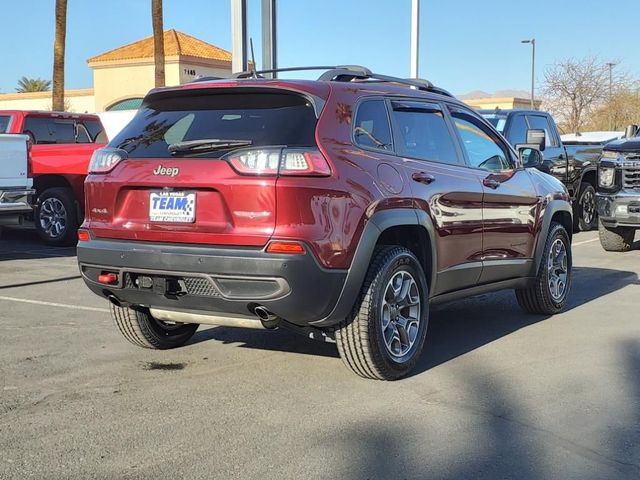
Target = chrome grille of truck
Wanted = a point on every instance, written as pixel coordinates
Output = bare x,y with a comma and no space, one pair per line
631,177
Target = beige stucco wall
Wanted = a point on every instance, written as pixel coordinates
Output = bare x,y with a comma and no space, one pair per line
114,82
79,101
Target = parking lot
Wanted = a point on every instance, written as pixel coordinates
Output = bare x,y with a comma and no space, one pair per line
498,394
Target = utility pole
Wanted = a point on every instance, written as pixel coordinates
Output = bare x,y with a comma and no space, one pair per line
269,37
415,37
610,65
533,70
239,36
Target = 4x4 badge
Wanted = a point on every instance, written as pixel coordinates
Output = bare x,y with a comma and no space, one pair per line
171,172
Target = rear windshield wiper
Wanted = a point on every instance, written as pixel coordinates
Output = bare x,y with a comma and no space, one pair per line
206,145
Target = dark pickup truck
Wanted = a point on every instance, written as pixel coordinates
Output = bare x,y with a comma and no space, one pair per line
618,195
573,165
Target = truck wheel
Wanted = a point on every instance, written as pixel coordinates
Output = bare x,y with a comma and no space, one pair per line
548,295
384,336
141,329
618,239
586,212
56,218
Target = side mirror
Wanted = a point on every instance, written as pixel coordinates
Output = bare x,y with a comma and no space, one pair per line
537,137
530,157
631,131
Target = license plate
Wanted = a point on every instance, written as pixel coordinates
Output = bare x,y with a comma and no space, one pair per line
174,207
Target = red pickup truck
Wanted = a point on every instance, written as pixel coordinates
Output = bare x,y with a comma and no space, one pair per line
62,145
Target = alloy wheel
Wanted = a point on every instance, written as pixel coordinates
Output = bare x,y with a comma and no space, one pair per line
558,268
401,309
588,207
53,217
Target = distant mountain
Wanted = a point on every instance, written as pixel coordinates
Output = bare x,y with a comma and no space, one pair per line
496,94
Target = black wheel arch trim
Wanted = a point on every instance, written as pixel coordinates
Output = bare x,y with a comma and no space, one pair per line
373,229
553,207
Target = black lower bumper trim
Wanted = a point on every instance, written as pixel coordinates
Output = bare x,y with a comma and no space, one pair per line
212,279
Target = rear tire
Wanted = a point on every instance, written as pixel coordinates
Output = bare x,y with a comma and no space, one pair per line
618,239
384,336
548,295
56,217
586,211
140,328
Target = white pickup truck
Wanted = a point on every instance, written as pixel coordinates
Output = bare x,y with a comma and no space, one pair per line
15,185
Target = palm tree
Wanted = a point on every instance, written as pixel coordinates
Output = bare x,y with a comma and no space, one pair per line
158,41
58,55
33,85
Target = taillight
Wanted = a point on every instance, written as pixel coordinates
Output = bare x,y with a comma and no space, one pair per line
104,160
279,161
307,161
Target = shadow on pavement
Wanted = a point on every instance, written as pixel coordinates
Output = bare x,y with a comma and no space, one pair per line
23,243
454,329
280,340
489,432
463,326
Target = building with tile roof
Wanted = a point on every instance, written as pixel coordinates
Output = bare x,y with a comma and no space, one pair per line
123,76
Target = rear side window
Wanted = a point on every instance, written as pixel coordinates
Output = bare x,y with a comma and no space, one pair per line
263,119
542,123
4,123
517,130
49,130
95,131
371,127
422,132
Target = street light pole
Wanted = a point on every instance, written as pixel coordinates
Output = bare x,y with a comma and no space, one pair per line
533,69
415,36
610,65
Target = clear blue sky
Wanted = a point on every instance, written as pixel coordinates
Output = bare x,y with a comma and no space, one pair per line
465,44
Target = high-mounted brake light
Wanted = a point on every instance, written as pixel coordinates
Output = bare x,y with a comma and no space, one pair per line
285,247
304,162
105,159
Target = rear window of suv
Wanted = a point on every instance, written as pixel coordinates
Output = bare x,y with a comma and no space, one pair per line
264,119
4,123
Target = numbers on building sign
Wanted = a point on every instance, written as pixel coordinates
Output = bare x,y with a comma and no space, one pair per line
189,71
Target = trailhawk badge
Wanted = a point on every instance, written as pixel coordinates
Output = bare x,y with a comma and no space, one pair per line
169,172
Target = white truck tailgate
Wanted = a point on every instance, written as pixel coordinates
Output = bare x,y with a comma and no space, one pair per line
14,161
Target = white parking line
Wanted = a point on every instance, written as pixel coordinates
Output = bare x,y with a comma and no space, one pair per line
52,304
586,241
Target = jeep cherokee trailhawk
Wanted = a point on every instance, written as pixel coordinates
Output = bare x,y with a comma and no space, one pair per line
341,208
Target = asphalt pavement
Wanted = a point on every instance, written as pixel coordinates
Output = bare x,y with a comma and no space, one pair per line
498,394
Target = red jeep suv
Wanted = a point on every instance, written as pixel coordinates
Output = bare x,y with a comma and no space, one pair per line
340,208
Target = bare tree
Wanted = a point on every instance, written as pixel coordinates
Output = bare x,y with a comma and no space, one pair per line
158,41
58,55
622,109
575,88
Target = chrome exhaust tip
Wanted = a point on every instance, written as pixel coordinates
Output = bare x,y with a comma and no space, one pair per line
263,314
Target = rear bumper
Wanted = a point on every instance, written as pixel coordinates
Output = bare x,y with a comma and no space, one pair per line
15,200
214,280
619,209
14,204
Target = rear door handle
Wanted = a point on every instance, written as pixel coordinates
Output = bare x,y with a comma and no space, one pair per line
423,177
491,183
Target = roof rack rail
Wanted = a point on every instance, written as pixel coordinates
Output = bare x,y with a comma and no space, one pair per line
342,74
348,73
258,73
